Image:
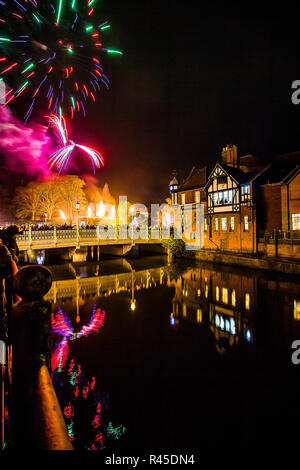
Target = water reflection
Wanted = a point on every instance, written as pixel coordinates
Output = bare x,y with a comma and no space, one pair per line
72,385
134,341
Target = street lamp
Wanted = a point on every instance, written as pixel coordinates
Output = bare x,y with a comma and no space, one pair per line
77,225
77,209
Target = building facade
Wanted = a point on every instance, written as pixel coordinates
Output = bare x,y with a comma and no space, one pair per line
243,200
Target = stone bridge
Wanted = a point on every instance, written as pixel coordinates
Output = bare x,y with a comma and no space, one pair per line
55,238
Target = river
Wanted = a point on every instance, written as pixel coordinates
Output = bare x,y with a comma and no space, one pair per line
189,356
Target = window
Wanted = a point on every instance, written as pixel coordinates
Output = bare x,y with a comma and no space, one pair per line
225,295
217,293
205,224
199,315
233,298
206,291
222,179
296,309
247,301
216,224
231,228
246,223
199,292
296,221
197,197
222,197
184,310
246,189
224,224
183,198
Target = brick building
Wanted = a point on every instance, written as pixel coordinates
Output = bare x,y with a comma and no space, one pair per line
243,199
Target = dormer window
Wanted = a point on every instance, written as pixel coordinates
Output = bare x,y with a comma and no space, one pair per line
222,180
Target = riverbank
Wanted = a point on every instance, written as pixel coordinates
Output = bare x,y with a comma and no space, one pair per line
249,261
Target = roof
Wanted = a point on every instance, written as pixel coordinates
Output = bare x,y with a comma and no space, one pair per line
196,179
275,174
236,173
173,182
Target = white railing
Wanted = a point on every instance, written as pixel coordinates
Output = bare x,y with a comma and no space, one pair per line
56,237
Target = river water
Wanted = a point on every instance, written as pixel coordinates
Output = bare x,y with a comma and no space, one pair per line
186,357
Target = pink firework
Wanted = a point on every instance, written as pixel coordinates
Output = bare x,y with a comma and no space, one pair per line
60,158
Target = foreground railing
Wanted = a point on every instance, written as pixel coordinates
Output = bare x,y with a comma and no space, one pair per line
36,419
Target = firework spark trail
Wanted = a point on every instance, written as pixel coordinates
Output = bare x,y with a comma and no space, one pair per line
60,158
51,53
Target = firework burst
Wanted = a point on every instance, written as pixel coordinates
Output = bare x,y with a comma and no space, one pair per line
51,53
60,158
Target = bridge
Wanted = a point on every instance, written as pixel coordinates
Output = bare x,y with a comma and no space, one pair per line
76,238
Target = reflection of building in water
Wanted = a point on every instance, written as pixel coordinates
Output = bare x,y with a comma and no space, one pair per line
238,306
222,301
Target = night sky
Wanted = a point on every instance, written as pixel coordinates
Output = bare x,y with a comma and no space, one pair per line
192,79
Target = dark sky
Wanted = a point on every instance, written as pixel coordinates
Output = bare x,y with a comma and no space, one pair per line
193,78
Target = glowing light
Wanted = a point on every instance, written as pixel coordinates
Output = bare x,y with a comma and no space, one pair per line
100,210
60,158
113,212
62,214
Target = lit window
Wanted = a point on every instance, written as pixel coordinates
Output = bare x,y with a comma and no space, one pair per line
205,224
216,222
198,292
199,315
182,198
296,221
231,224
222,197
296,309
206,291
233,298
246,223
184,310
197,197
225,295
247,301
224,224
217,293
246,189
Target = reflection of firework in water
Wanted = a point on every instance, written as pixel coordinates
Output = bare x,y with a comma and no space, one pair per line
52,53
60,158
83,404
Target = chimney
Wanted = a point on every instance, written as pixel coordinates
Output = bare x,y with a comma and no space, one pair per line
229,155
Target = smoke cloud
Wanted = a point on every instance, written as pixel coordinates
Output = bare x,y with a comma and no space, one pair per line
24,149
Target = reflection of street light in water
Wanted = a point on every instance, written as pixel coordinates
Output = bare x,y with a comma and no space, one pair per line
77,299
132,300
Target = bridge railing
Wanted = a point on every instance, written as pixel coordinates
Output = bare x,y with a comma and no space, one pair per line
63,234
54,234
